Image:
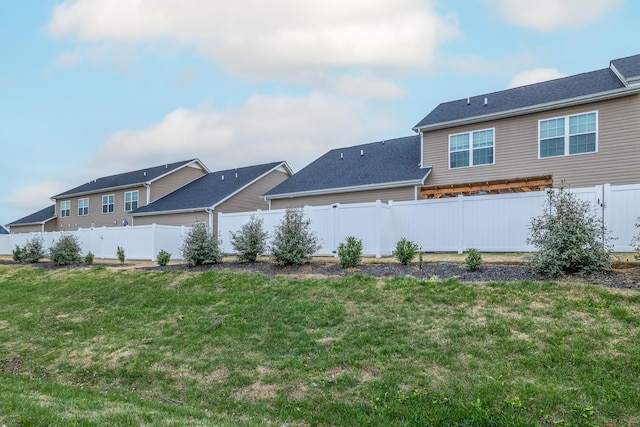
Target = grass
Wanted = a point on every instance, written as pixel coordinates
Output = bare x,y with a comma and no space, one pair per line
123,348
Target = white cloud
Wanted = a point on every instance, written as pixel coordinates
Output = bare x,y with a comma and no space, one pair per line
264,129
27,199
553,15
535,76
283,39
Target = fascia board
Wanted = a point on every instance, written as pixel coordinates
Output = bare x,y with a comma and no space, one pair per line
394,184
602,96
168,212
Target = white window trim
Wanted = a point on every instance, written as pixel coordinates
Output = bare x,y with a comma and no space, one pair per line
566,135
62,210
87,206
470,149
137,200
103,204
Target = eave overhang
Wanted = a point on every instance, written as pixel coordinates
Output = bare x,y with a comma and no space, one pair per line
570,102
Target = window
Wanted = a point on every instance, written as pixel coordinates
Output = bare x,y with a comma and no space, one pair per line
130,200
65,209
107,204
568,135
471,149
83,207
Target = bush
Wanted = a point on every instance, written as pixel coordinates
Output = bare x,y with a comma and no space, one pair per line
66,251
250,241
406,251
120,254
293,241
473,260
569,237
31,252
350,252
635,241
163,257
88,259
200,247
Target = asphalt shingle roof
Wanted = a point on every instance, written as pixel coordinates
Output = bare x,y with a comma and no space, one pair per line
38,217
124,179
208,190
524,96
384,162
629,67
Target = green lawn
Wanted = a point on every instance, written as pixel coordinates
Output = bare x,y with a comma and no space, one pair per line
127,348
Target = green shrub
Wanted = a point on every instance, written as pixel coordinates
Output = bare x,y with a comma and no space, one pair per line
88,258
66,250
163,257
406,251
31,252
350,252
473,260
569,237
293,241
200,247
120,254
17,253
250,241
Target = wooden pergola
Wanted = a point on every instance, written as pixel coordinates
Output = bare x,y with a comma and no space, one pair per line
499,186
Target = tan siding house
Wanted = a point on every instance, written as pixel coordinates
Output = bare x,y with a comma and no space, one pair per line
384,195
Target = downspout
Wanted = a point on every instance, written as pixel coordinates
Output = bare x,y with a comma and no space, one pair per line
210,212
148,187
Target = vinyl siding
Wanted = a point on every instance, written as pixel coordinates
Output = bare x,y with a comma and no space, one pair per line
18,229
188,219
173,181
516,149
384,195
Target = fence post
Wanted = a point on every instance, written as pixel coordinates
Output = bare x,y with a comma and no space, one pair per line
154,230
378,228
605,205
460,223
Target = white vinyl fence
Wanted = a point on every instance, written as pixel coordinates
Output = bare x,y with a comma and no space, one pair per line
491,223
140,242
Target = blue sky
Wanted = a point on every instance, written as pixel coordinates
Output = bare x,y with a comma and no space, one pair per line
90,88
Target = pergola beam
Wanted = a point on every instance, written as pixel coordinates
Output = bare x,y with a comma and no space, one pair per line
515,185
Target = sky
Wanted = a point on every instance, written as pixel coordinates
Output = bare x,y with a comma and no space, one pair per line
91,88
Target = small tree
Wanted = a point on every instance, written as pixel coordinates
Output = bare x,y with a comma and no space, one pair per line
65,251
163,257
473,260
200,247
293,240
569,237
406,251
120,254
350,252
250,241
31,252
88,258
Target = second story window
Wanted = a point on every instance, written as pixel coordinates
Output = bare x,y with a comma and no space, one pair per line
108,204
83,207
65,209
471,149
130,201
568,135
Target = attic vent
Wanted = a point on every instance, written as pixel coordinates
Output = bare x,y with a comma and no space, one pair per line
144,173
166,166
236,174
341,155
362,152
223,177
486,100
468,101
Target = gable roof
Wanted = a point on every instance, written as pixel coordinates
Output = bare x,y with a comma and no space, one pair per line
37,218
3,230
128,179
572,90
209,190
627,68
382,164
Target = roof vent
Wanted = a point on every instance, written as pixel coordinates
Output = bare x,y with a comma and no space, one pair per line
341,156
223,177
362,152
166,166
486,100
144,173
236,174
468,101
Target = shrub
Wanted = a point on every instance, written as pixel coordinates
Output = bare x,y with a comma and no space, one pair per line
350,252
88,259
473,260
17,253
293,241
163,257
569,237
65,251
120,254
200,247
31,252
635,241
250,241
406,251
